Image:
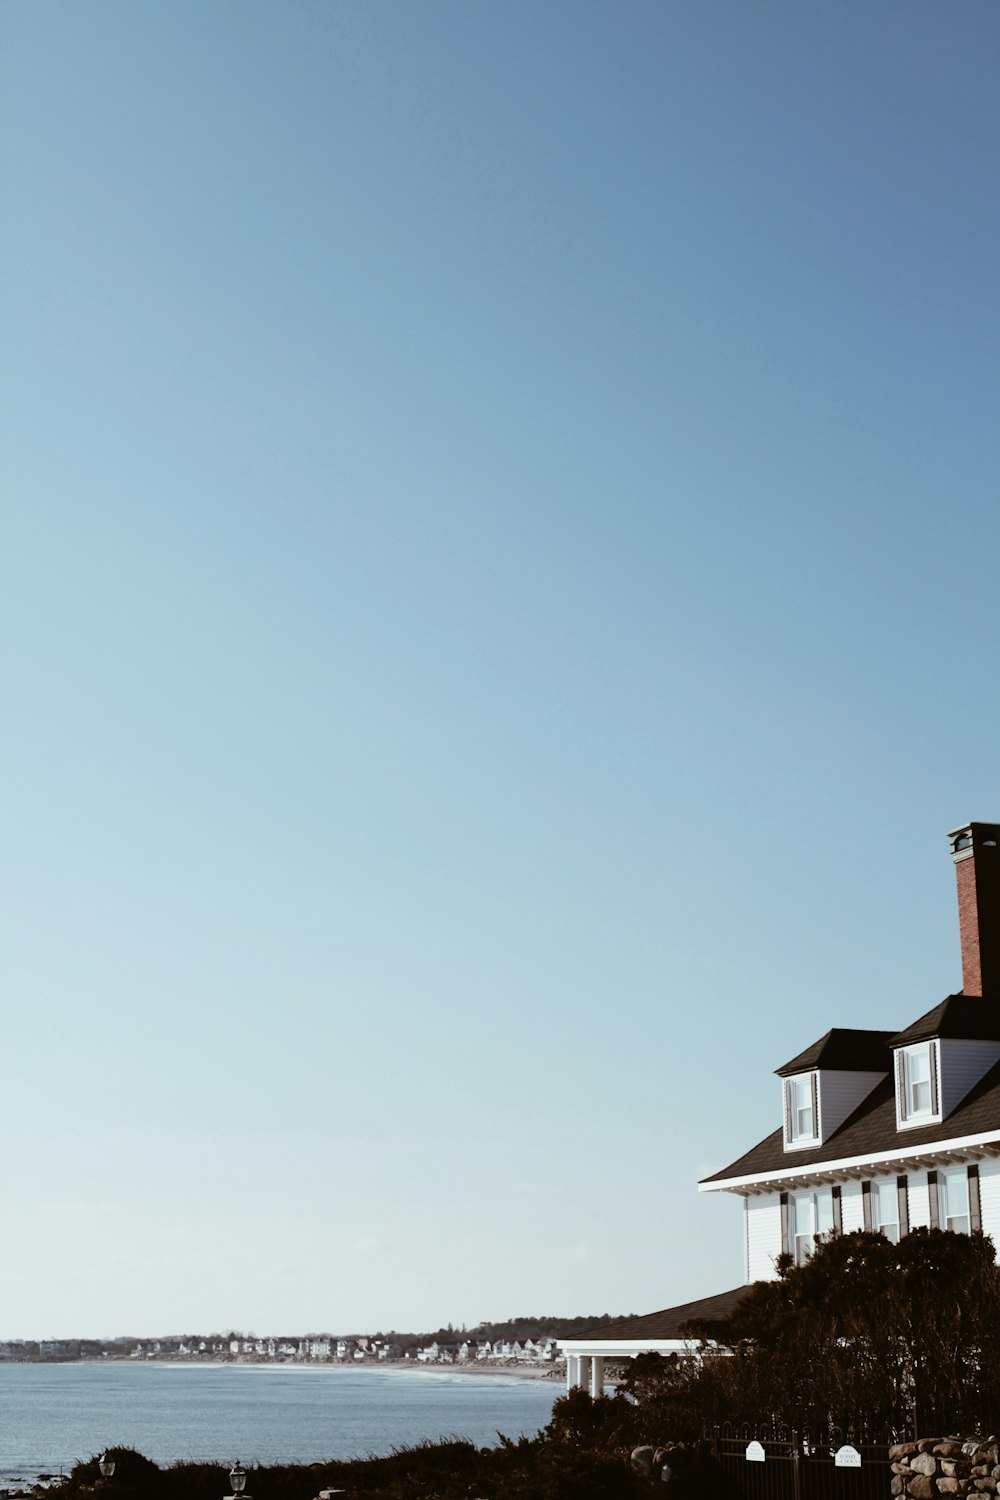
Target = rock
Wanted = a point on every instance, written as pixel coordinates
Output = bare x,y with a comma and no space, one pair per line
642,1461
902,1450
987,1486
898,1485
924,1463
948,1486
921,1488
949,1468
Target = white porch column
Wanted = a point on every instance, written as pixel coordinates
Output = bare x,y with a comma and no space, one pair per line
572,1371
597,1375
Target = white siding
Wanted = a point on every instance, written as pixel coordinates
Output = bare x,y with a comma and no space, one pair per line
762,1218
989,1199
918,1200
852,1209
962,1064
840,1094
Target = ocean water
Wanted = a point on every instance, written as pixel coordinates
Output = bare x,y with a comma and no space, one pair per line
51,1415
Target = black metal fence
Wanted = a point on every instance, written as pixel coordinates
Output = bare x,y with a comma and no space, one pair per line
771,1462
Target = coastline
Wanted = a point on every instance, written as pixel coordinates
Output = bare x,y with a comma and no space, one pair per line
555,1375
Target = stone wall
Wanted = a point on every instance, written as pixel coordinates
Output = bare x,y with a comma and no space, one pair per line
945,1466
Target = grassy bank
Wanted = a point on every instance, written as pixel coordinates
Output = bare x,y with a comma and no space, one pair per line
531,1469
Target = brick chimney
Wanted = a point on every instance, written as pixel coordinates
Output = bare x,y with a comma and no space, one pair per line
975,848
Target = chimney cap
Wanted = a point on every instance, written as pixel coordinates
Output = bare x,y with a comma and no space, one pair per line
969,837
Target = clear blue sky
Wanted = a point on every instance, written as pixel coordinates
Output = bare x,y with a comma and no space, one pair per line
499,581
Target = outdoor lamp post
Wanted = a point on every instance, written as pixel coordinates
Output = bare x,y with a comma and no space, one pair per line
238,1478
106,1464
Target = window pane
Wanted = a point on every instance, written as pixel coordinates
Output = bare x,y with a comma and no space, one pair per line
812,1215
803,1219
955,1185
919,1072
885,1208
802,1121
803,1207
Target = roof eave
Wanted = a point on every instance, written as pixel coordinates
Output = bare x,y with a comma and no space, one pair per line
985,1143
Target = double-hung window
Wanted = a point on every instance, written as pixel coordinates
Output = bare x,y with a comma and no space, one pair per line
801,1110
885,1208
811,1220
953,1199
917,1083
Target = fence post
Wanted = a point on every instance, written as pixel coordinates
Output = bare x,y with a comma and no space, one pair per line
796,1466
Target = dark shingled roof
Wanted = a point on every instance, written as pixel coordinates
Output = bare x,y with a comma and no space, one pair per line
957,1016
845,1050
666,1324
871,1130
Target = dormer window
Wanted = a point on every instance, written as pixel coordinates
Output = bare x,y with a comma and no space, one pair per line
801,1110
917,1084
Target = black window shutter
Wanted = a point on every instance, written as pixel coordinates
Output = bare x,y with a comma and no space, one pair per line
785,1248
901,1084
932,1194
904,1212
866,1205
975,1210
935,1101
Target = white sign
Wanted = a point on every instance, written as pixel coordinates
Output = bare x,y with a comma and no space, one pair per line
755,1453
847,1458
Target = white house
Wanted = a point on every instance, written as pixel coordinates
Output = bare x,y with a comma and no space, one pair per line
881,1130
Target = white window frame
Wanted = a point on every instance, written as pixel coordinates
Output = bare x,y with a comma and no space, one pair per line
918,1076
954,1208
793,1088
885,1192
817,1205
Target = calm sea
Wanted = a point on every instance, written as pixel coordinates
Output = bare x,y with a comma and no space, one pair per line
53,1415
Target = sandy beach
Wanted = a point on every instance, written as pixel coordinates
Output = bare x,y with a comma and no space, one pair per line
521,1372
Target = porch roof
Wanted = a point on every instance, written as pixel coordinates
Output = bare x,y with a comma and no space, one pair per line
657,1327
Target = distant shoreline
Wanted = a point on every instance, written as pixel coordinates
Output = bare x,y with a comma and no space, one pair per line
420,1367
